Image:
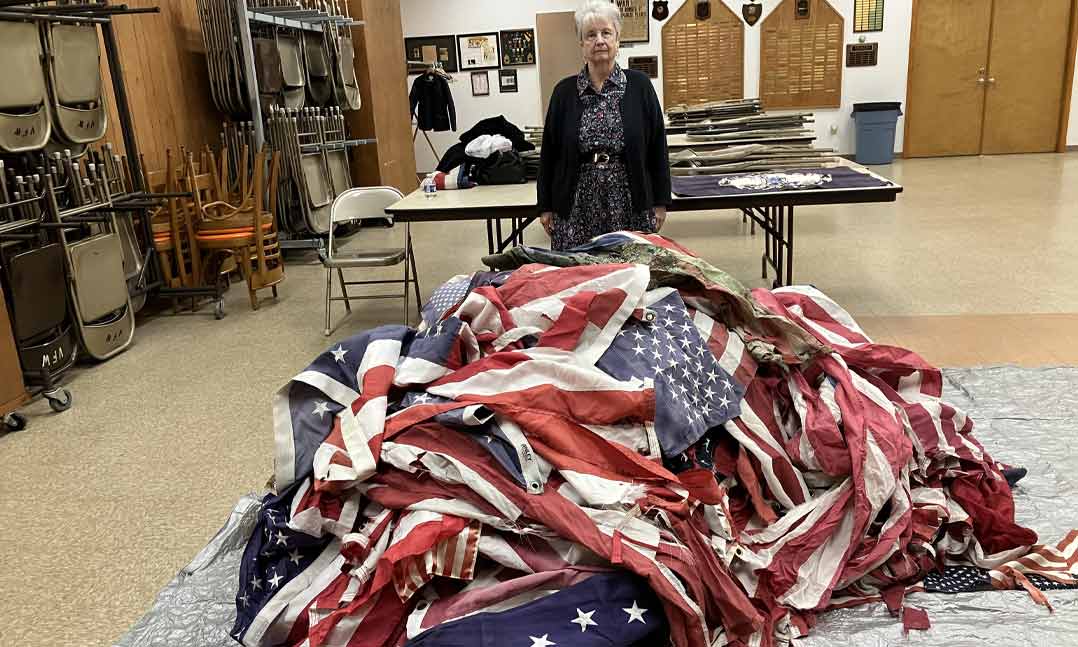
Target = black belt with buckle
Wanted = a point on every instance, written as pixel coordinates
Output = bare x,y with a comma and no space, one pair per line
601,158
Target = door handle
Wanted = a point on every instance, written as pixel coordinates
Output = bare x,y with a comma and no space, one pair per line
992,79
981,80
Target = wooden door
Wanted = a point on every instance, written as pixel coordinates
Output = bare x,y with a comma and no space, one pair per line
1026,64
944,96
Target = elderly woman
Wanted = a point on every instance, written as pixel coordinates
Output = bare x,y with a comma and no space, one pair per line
603,166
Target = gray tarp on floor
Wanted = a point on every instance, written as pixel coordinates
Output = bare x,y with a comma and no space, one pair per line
1023,417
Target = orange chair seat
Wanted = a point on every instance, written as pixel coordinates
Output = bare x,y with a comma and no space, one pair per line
211,231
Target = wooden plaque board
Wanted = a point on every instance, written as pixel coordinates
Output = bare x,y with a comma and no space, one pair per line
801,58
703,60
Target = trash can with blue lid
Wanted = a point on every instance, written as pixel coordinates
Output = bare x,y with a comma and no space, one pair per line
876,124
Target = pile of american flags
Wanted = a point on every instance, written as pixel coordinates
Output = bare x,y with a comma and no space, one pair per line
622,447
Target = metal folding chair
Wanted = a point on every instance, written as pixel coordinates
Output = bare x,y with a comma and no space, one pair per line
349,207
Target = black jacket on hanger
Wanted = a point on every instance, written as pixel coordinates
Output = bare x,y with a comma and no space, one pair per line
432,103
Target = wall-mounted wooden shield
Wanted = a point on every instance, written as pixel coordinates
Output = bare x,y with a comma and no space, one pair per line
752,12
703,9
660,9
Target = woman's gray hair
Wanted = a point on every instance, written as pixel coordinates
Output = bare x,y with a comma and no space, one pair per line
593,10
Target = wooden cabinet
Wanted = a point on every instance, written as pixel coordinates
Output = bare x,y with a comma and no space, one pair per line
12,389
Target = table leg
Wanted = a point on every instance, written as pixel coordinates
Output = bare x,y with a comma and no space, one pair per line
780,242
490,236
790,245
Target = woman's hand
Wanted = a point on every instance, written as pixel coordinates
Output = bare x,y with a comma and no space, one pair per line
547,219
660,217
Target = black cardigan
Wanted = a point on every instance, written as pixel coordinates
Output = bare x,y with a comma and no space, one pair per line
645,146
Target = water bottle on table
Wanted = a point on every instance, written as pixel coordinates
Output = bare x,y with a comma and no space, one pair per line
430,188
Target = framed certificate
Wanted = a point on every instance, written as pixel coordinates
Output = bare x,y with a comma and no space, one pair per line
478,51
480,83
421,51
635,21
507,80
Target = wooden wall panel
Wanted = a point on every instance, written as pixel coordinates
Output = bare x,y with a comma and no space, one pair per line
703,60
12,391
559,52
164,66
801,58
383,82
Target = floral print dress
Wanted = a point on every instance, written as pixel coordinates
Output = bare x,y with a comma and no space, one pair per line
603,202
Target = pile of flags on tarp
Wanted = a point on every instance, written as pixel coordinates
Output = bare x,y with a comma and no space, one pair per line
617,446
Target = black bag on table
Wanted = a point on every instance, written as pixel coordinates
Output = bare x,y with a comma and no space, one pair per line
501,168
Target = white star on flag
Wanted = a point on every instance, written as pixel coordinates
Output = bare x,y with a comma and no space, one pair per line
712,376
256,584
294,557
638,349
275,581
726,385
243,599
282,540
635,613
321,408
724,402
339,353
584,620
542,641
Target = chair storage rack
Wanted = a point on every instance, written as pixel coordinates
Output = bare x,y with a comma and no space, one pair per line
133,204
301,23
33,269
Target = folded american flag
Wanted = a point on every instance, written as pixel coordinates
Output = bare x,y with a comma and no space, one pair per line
631,451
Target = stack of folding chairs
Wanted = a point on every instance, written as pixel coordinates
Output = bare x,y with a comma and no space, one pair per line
314,167
304,67
294,67
68,263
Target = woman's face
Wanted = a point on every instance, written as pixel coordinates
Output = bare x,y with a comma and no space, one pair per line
600,42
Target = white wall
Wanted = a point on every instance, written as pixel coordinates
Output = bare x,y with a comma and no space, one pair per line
884,82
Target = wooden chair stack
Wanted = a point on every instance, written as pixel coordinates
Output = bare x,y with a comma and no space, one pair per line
173,231
235,221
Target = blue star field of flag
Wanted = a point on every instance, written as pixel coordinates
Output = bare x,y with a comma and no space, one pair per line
692,392
607,609
274,555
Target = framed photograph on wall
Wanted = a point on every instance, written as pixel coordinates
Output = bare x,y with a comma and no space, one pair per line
635,20
507,80
426,48
480,83
518,46
478,51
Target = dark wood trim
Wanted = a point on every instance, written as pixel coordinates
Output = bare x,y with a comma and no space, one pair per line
1068,81
909,79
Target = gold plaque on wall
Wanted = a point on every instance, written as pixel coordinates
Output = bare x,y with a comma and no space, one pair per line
801,58
703,60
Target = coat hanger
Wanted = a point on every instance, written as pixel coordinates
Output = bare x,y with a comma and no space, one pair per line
434,68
